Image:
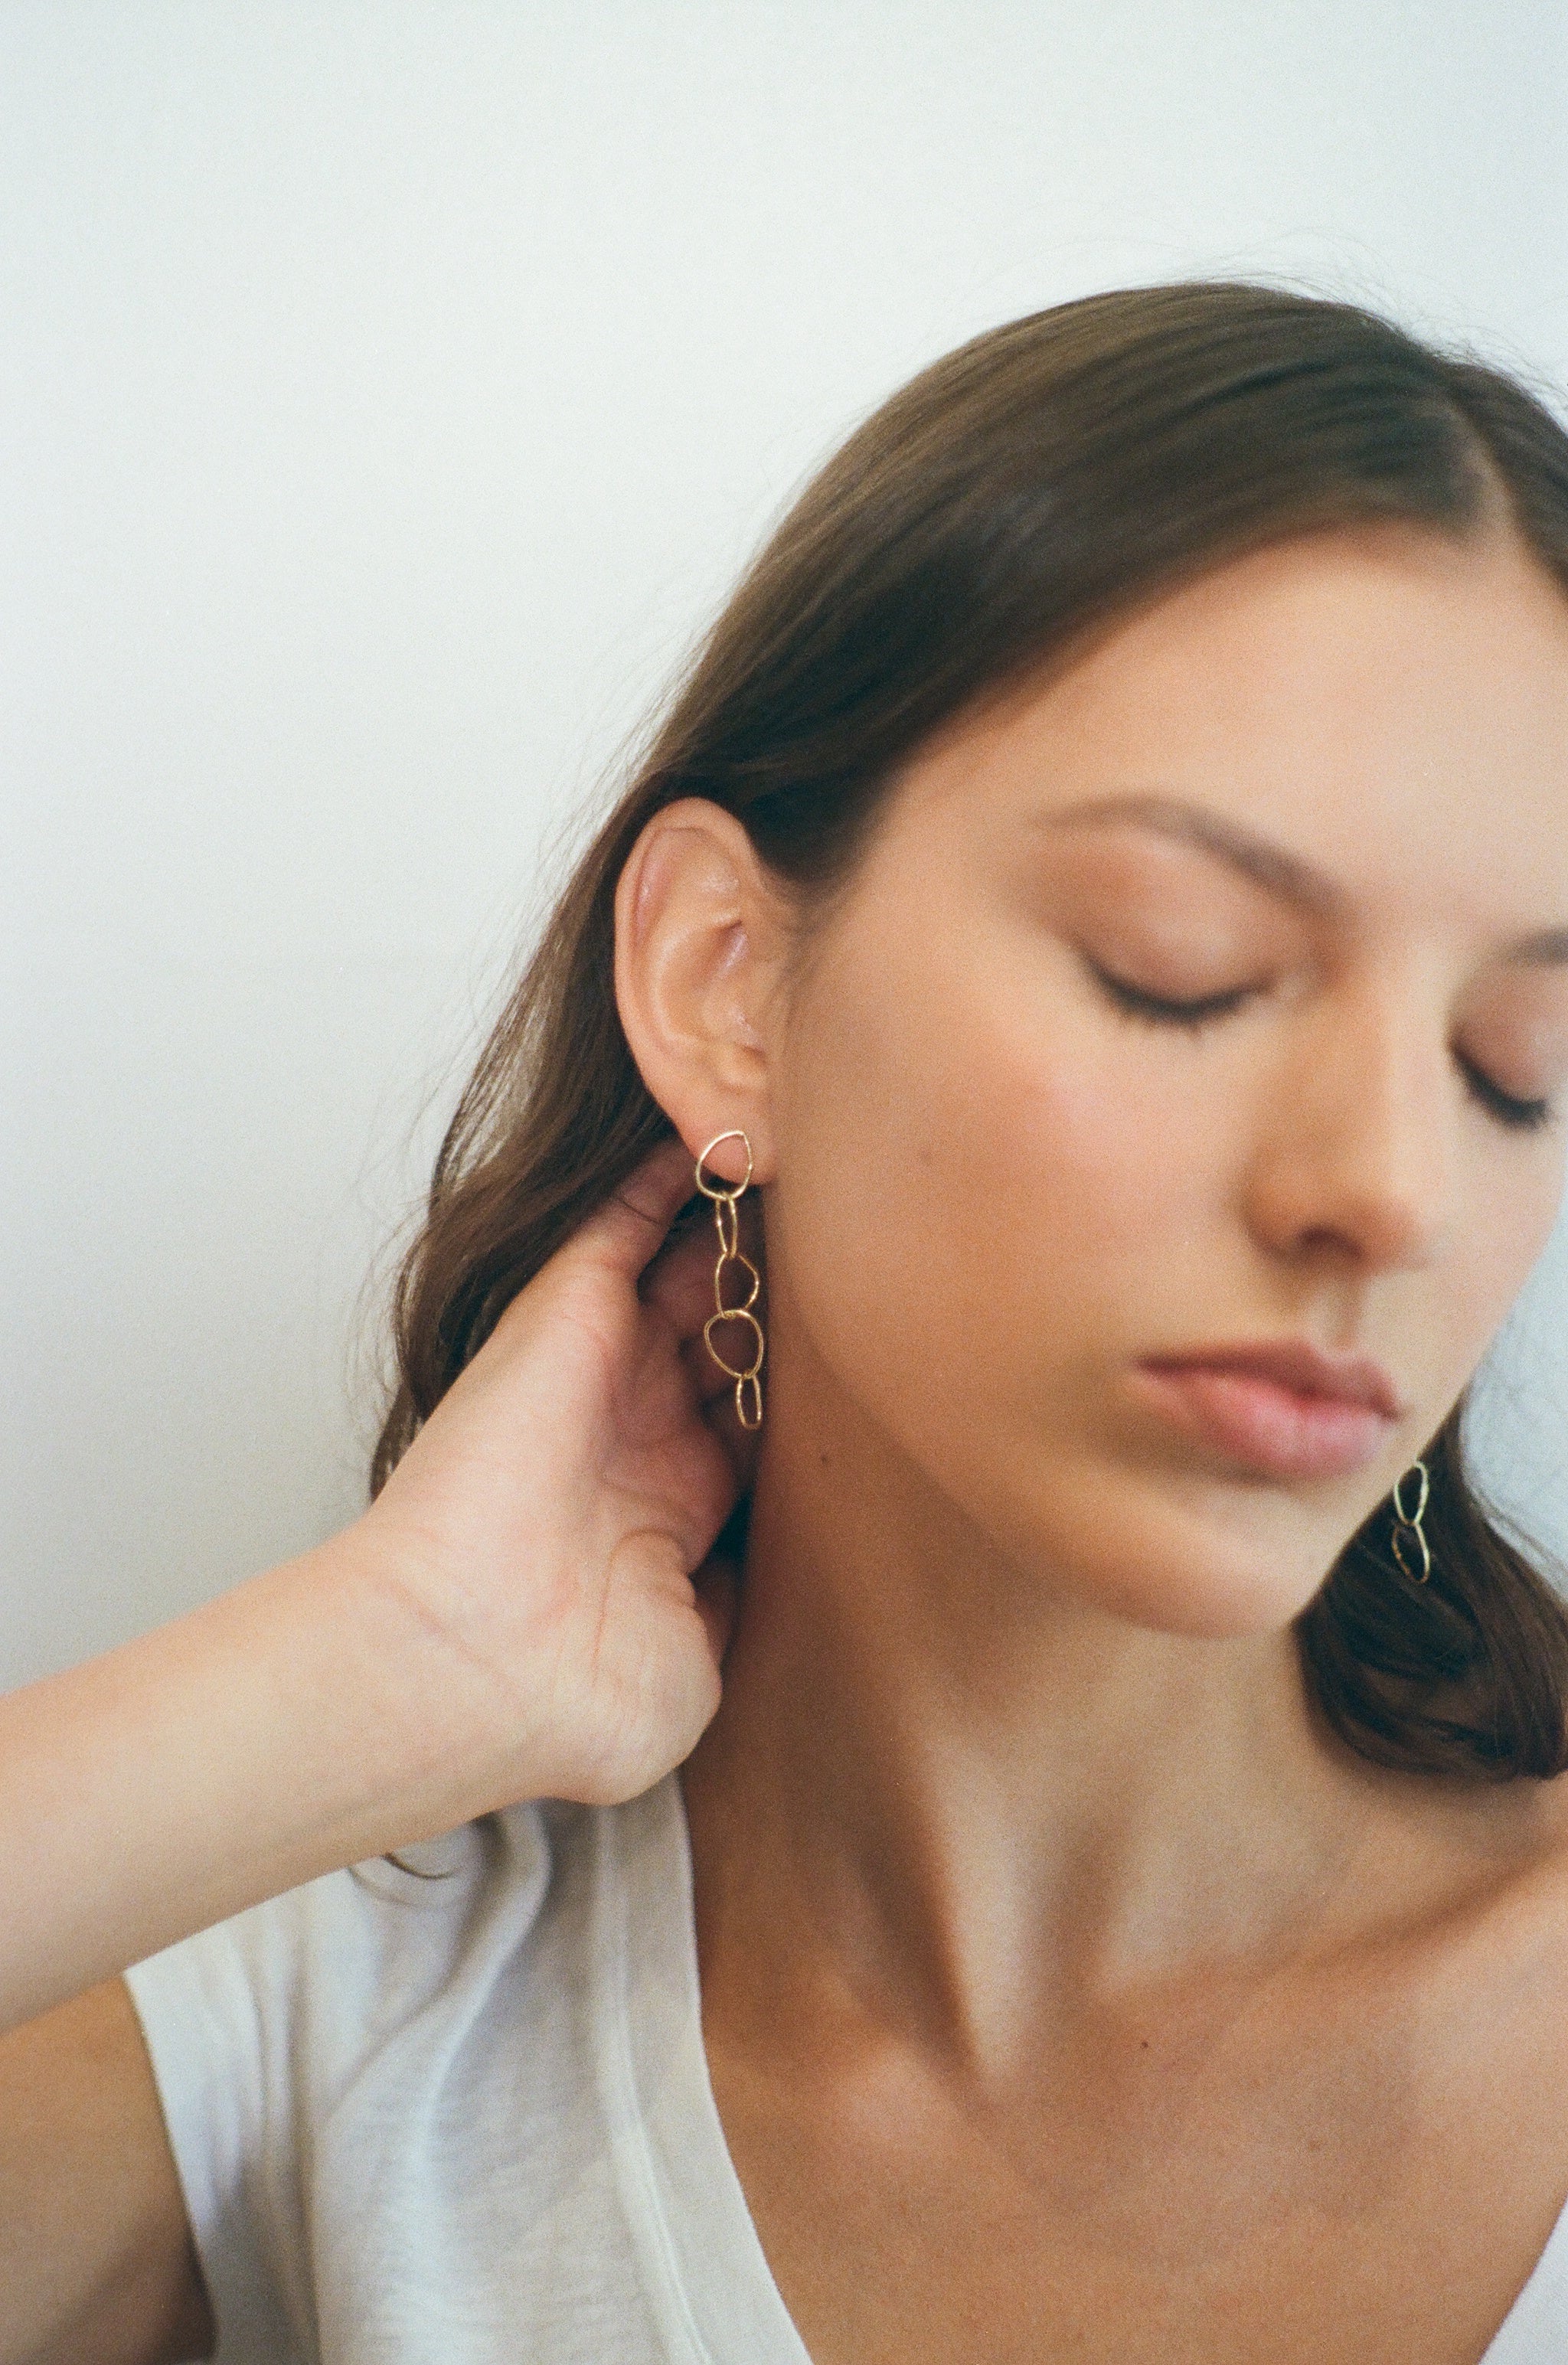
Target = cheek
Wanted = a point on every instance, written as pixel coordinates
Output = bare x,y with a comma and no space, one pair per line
1500,1240
985,1198
978,1172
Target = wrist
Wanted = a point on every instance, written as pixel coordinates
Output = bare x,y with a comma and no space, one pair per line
443,1735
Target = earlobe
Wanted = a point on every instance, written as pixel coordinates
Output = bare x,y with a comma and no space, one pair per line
696,956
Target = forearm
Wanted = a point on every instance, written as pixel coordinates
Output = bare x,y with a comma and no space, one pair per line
511,1619
284,1730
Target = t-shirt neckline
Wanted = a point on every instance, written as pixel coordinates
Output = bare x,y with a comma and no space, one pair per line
708,2274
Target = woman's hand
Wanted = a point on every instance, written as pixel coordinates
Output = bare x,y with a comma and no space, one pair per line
544,1525
513,1619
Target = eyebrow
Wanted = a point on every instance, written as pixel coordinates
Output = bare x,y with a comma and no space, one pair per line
1281,873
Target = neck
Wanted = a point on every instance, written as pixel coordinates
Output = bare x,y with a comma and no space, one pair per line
966,1796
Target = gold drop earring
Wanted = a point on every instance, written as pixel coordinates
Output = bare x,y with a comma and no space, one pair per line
726,1197
1411,1549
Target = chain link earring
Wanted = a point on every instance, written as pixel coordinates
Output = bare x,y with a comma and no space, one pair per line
1409,1537
726,1199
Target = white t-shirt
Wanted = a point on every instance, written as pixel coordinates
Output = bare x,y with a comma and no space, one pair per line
468,2121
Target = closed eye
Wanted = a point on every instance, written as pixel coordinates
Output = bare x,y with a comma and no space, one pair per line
1160,1011
1520,1117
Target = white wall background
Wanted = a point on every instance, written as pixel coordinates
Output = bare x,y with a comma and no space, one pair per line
387,394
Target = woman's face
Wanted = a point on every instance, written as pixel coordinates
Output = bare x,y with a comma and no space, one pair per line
1210,998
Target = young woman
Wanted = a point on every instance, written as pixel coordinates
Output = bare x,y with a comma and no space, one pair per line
1090,933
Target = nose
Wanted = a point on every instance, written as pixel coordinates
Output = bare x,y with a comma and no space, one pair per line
1355,1162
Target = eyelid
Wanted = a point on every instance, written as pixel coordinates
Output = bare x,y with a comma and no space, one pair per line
1518,1115
1136,1001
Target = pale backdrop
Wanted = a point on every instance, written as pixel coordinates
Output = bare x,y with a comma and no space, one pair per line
387,394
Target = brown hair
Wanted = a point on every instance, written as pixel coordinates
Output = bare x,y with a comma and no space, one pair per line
1036,483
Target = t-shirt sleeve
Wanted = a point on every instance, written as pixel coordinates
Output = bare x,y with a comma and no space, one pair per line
215,2012
266,2033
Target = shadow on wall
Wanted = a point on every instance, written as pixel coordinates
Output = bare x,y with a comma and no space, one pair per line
1519,1418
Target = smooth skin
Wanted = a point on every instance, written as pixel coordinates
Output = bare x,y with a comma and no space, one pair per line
1067,1993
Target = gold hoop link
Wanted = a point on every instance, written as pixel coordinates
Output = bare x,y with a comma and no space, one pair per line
726,1197
731,1191
734,1314
1417,1575
1412,1519
749,1300
1409,1540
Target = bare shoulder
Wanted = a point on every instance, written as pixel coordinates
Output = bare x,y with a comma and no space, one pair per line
1459,1878
1541,1878
1507,1877
96,2260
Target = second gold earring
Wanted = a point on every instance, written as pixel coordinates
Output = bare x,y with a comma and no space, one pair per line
726,1199
1408,1541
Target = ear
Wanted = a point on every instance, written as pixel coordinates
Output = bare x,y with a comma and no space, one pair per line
700,935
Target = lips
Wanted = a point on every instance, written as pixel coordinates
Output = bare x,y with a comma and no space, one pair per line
1280,1409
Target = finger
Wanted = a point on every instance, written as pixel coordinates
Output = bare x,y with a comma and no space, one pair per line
707,1380
741,1447
627,1232
681,1280
679,1283
716,1585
